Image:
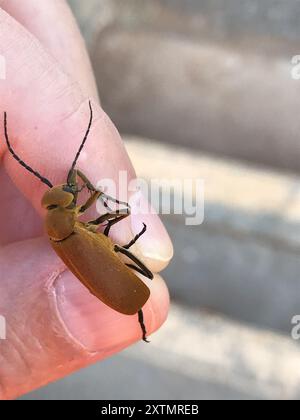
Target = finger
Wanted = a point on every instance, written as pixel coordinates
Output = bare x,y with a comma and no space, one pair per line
53,24
18,219
54,325
47,123
65,43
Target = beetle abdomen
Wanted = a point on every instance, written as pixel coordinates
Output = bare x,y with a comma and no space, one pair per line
91,258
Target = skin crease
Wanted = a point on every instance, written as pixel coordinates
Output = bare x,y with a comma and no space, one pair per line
54,325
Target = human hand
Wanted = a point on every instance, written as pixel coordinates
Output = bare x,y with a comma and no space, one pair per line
54,325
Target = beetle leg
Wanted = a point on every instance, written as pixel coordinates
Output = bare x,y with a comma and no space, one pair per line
113,222
92,188
142,324
136,238
89,202
145,271
103,195
116,217
135,268
86,181
106,217
114,200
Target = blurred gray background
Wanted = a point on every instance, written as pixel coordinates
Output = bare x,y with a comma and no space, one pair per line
204,89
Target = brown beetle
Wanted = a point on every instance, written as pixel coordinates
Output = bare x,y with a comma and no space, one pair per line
89,254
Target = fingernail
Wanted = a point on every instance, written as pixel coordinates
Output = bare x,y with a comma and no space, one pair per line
155,245
96,327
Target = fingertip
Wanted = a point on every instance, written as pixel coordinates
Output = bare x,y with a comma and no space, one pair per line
158,306
155,247
99,329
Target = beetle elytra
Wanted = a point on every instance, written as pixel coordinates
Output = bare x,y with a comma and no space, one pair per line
88,253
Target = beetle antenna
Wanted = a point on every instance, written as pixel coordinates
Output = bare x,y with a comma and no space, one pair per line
21,162
84,139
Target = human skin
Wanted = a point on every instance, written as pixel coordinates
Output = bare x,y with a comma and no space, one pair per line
54,325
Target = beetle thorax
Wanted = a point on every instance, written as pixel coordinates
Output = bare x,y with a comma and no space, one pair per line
60,223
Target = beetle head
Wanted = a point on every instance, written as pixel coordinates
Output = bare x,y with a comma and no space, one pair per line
60,196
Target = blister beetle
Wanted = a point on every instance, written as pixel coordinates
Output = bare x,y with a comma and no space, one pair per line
88,253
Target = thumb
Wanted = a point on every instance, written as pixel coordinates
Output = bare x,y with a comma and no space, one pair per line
54,325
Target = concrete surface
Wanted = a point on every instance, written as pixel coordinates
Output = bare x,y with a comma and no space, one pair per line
194,356
214,75
243,261
233,21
